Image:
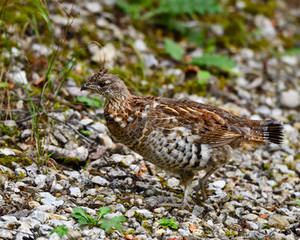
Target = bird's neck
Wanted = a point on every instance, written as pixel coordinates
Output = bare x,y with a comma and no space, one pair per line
117,103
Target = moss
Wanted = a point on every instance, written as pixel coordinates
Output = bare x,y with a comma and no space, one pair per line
266,8
230,232
266,166
147,226
139,217
8,160
9,131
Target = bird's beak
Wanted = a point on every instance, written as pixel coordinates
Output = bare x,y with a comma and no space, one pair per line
83,87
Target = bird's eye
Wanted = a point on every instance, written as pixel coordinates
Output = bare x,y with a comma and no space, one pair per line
101,84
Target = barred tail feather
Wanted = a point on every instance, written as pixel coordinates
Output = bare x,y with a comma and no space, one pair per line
273,132
269,131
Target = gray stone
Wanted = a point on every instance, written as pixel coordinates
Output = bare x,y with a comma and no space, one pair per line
278,220
100,181
26,133
93,7
86,121
10,123
40,180
18,76
150,60
290,60
99,127
219,184
140,45
5,234
250,217
146,213
290,99
40,216
48,199
120,208
173,182
265,25
7,151
75,191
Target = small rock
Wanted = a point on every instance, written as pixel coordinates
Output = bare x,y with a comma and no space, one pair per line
146,213
219,184
7,151
104,54
278,220
250,217
265,25
18,77
8,218
140,45
217,29
290,99
99,127
41,49
86,121
40,216
150,60
75,191
48,199
120,208
100,181
26,133
40,180
93,7
173,182
290,60
5,234
283,168
58,187
10,123
229,207
106,141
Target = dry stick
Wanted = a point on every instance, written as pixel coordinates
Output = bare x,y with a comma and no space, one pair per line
74,129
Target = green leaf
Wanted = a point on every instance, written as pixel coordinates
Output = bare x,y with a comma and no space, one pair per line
3,84
90,101
214,60
174,49
177,7
60,230
103,211
171,223
86,132
82,217
298,202
203,76
292,51
115,222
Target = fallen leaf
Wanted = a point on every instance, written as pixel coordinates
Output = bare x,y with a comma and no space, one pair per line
193,228
264,216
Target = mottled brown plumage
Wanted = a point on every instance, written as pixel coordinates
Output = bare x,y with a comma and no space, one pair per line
180,136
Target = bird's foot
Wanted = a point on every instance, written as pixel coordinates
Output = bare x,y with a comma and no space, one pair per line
183,205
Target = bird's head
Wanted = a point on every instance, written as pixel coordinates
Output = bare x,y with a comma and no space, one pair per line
106,84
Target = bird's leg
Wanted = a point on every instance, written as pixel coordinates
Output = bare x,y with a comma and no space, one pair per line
186,179
203,183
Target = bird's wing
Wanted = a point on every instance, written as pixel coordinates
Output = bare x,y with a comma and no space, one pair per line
210,126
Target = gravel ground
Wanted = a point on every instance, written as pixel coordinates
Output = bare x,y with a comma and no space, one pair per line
255,196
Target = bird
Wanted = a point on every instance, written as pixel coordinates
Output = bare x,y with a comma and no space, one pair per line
178,135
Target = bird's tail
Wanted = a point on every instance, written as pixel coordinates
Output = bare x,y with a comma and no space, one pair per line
265,131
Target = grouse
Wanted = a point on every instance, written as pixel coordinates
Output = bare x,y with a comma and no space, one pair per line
179,136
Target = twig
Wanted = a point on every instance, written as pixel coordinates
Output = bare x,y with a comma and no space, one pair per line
74,129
